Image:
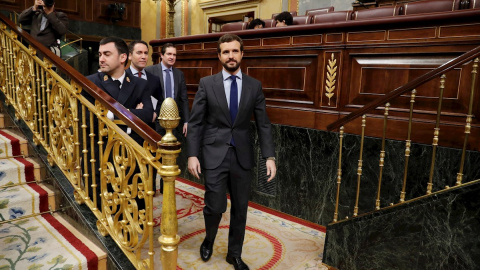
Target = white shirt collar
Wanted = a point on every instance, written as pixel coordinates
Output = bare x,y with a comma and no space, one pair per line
227,75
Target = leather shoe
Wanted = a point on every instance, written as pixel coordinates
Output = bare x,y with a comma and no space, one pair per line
206,250
237,263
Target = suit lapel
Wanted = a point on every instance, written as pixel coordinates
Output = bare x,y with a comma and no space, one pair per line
127,89
108,85
219,90
176,81
244,98
160,75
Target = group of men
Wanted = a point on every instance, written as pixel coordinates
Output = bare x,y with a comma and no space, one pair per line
219,143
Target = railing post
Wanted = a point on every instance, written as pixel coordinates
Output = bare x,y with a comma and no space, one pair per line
382,156
468,122
360,165
436,134
339,173
169,148
408,144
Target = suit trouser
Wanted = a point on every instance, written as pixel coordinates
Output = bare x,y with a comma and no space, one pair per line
229,174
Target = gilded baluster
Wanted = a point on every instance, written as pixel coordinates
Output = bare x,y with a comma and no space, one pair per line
169,150
382,156
360,165
468,122
339,174
436,134
93,161
408,144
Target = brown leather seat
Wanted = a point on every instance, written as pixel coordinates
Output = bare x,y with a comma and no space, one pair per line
269,23
318,11
429,6
474,3
235,26
294,13
332,17
375,13
299,20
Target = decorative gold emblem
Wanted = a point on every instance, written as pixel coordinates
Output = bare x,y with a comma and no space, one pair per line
331,75
128,79
105,78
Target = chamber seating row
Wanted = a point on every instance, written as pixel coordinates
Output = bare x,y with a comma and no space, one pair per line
326,15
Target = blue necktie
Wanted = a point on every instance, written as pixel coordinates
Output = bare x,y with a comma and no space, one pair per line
168,84
233,102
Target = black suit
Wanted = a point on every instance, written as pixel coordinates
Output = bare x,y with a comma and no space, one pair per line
180,91
56,27
156,91
210,131
132,92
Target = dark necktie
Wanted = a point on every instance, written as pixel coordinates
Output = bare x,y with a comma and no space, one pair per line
117,83
139,75
168,84
233,102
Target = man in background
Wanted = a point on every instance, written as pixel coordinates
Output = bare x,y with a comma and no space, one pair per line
138,55
284,19
173,83
47,25
256,24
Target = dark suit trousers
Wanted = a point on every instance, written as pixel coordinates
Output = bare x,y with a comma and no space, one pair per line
229,174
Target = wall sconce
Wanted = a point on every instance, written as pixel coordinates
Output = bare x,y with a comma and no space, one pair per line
115,11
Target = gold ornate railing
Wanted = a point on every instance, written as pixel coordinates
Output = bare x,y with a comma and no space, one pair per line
109,171
468,60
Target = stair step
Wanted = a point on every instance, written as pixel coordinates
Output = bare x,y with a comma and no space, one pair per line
12,144
47,242
101,255
22,200
17,171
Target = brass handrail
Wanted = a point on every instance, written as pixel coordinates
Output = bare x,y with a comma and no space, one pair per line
109,171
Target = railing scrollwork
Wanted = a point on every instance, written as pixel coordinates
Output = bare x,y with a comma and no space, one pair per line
110,172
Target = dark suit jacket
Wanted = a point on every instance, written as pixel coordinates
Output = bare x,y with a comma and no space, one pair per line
156,91
56,27
180,88
210,128
133,91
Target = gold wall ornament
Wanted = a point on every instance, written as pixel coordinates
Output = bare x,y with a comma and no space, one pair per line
169,119
331,75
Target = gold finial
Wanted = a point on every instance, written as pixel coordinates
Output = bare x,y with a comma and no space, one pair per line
169,119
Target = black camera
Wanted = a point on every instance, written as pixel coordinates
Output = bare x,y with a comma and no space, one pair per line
49,3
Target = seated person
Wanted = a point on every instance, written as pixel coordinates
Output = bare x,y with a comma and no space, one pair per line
256,24
284,19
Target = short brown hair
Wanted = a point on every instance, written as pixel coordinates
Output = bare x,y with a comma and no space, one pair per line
167,45
229,38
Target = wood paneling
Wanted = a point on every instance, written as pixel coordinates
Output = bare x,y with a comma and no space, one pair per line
314,74
86,10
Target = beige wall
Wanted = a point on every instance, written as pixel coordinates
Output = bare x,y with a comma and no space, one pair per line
149,22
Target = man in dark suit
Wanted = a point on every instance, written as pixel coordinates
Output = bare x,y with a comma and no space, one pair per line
219,133
126,89
130,91
173,83
138,55
47,25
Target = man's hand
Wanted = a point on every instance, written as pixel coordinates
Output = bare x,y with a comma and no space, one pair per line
48,10
194,167
139,106
36,4
154,117
185,129
271,169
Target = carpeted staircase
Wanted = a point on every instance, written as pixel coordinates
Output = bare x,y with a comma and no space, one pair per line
32,234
